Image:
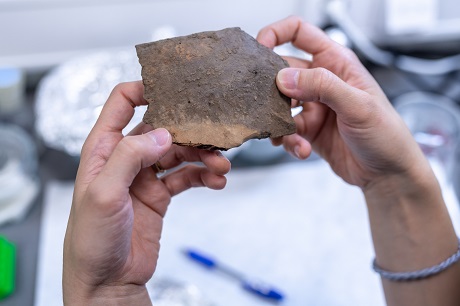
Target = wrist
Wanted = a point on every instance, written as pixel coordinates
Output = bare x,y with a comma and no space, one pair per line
126,294
411,226
417,182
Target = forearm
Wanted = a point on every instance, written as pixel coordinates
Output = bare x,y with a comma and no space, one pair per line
412,230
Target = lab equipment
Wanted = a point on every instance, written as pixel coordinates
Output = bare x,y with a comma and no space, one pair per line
12,86
19,182
434,121
411,25
254,286
427,27
7,267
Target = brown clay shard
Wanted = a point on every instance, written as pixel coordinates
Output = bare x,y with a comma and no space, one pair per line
214,90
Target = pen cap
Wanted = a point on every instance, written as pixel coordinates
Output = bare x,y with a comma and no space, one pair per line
263,290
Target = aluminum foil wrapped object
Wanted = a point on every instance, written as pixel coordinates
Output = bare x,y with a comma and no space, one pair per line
70,98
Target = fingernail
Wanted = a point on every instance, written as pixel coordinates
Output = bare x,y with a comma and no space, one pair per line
289,78
160,136
297,151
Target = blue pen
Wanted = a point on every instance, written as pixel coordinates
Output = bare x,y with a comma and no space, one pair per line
256,287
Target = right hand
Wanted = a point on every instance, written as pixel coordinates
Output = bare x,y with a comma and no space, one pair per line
346,117
113,234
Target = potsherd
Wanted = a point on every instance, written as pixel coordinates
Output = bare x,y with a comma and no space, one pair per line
214,90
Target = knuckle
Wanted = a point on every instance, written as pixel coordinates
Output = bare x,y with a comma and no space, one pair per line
348,54
119,88
295,19
367,112
130,146
322,82
371,109
126,90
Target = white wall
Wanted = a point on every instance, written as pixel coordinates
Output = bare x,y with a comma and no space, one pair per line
39,33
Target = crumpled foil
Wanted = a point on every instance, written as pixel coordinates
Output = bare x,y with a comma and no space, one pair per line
168,292
70,98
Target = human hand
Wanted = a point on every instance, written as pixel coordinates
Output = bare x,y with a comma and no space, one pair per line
346,117
112,240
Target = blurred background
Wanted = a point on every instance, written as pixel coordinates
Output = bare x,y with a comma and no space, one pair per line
291,224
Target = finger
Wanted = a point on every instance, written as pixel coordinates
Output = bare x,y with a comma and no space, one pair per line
313,40
294,144
297,62
213,160
351,104
297,146
119,108
192,176
277,141
131,155
141,128
279,32
292,29
151,191
296,103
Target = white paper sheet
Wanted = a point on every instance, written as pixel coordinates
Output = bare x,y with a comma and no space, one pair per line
297,226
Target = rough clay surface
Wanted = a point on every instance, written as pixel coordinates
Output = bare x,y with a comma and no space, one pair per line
214,90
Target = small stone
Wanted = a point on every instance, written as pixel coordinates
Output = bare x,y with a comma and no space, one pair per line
203,87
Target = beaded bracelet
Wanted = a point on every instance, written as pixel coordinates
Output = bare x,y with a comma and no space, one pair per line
419,274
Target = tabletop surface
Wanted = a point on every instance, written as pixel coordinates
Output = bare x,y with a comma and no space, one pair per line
293,225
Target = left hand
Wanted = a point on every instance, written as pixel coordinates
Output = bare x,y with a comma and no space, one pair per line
346,117
112,241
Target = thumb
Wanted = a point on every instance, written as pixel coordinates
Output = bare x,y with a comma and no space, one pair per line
320,84
134,153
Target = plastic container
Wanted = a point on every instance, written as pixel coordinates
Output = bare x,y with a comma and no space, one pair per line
19,183
434,121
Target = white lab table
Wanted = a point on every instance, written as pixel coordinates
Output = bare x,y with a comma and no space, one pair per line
295,225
